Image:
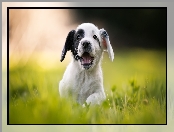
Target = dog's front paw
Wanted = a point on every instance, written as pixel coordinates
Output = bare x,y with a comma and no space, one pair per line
92,99
95,99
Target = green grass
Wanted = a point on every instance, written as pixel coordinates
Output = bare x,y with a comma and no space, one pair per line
135,85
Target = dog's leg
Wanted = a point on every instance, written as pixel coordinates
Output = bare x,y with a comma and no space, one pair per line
96,98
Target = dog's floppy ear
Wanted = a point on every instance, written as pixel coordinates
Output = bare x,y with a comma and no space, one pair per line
106,43
68,44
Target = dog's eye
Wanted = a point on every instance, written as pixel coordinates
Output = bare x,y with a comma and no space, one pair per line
95,37
78,37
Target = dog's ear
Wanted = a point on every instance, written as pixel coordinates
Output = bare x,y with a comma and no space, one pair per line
68,44
105,43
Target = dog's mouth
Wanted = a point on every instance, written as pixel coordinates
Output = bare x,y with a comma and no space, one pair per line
86,60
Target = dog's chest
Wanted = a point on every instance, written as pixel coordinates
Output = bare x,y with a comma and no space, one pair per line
84,85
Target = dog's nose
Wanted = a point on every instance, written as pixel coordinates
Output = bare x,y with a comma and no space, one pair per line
85,44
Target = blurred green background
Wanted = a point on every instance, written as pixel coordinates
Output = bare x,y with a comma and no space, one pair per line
135,83
136,94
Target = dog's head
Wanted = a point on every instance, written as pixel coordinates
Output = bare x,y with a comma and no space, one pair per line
87,44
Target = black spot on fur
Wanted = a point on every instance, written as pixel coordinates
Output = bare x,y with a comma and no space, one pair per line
77,37
72,42
68,44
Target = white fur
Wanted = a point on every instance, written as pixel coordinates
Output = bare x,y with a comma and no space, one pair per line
86,85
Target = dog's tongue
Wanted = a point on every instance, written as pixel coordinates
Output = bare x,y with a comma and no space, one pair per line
86,58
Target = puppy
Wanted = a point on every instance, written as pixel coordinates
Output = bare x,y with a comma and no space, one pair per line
83,79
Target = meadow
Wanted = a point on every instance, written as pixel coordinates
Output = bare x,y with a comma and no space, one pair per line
135,85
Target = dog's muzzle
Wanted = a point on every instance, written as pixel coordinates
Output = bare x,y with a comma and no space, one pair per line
86,59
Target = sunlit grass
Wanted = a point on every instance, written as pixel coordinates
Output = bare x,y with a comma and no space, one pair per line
135,84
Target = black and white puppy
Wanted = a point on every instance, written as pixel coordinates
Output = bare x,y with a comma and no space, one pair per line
83,79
